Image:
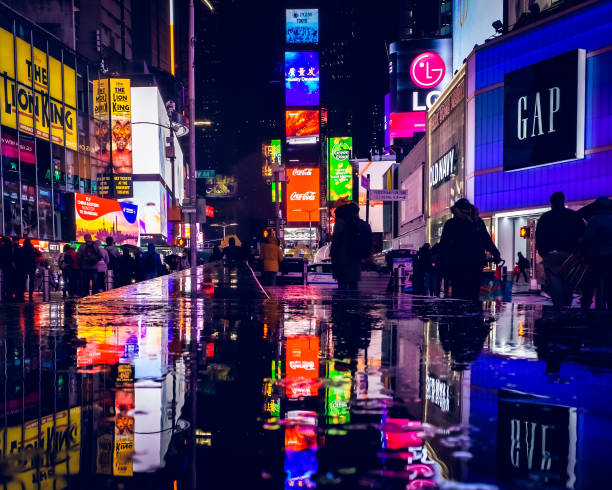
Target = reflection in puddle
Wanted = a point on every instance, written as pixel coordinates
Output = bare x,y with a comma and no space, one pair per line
183,383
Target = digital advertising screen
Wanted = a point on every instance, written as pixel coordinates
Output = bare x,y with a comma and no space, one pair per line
340,170
406,124
150,197
276,152
302,26
221,186
121,136
102,218
303,195
302,78
302,127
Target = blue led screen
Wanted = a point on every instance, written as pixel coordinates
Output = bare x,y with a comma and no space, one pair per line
302,26
302,78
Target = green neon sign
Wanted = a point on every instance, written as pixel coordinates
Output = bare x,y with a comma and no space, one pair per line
340,170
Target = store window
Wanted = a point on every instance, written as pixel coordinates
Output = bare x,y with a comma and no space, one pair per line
10,189
43,167
58,159
45,214
29,214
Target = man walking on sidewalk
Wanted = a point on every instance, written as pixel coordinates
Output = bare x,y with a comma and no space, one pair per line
557,235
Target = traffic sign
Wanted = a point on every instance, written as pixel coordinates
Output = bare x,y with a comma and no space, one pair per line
388,195
205,174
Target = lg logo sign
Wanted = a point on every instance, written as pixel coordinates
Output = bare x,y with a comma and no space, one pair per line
427,71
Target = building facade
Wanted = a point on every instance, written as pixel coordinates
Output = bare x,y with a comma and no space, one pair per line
52,142
511,176
446,151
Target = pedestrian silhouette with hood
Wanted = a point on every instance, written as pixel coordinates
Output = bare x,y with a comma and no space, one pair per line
463,246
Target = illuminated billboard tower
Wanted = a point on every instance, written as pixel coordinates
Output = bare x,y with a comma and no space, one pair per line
302,117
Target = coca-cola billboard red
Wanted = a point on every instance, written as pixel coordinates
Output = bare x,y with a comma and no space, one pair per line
303,193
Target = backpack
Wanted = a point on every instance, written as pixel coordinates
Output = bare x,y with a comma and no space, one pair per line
360,239
67,261
91,255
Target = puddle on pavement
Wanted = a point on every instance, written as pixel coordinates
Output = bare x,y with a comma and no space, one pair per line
159,386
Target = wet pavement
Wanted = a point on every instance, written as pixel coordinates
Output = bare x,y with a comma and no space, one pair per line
206,381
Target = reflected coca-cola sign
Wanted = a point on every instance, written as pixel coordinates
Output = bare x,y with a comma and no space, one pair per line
303,191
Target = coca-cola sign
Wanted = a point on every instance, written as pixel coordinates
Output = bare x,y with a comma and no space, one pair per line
305,196
301,171
303,191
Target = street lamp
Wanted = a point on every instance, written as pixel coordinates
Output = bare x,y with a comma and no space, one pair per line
309,211
224,226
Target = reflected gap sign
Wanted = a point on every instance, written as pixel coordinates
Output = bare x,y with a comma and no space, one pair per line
388,195
544,112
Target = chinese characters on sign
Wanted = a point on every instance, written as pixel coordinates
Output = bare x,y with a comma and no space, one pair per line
302,78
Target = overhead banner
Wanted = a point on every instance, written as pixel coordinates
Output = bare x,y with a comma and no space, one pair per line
340,170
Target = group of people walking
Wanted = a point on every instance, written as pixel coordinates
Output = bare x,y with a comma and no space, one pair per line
84,271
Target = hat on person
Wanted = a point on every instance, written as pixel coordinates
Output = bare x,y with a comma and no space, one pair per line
463,203
341,201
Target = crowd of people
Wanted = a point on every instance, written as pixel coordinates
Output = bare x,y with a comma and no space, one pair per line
81,272
576,251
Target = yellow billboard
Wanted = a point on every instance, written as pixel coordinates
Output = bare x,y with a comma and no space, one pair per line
38,92
60,439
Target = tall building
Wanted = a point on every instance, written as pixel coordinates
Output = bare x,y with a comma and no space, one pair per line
419,19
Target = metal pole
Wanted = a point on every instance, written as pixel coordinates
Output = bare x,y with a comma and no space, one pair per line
193,232
310,232
277,206
368,201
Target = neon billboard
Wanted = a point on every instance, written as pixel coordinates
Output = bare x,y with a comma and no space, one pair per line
340,170
102,218
302,78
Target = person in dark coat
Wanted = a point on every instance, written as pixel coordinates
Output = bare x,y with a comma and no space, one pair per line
233,253
463,246
346,267
125,269
426,266
7,267
598,253
25,261
558,234
523,267
151,263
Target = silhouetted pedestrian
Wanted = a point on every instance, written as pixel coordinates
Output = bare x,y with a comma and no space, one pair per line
68,264
598,253
351,243
557,236
523,266
125,270
113,254
426,264
26,258
233,253
88,256
151,263
463,246
7,266
101,268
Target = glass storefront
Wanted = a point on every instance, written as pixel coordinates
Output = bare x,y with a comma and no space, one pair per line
45,119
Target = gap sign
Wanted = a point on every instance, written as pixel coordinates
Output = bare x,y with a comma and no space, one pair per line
544,112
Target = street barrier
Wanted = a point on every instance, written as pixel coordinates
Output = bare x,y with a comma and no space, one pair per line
46,285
